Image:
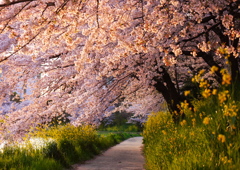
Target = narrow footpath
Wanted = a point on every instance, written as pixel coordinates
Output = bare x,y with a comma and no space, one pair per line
125,156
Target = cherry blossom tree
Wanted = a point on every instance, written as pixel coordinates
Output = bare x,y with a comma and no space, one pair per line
91,58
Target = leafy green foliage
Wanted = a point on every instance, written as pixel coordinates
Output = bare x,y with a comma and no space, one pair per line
117,122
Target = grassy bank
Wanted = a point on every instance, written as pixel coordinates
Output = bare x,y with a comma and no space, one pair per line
58,148
208,138
121,128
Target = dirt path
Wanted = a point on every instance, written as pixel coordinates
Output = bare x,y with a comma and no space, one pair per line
124,156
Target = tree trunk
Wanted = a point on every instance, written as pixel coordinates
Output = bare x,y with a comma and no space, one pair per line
208,58
234,65
167,88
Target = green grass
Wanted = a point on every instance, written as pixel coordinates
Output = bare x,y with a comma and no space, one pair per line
68,145
123,127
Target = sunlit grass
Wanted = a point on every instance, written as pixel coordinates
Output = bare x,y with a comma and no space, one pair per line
57,148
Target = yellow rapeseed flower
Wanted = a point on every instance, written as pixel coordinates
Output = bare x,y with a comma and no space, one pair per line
193,121
225,159
226,79
222,96
184,122
184,105
214,91
206,120
221,138
193,79
206,93
201,71
214,69
186,93
164,132
204,84
230,110
229,161
221,50
196,78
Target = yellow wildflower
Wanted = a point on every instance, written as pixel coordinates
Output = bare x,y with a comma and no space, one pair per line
214,69
230,110
206,120
221,138
229,161
221,50
193,79
184,105
164,132
203,83
226,79
186,93
194,122
222,96
214,91
206,93
184,122
196,78
201,71
225,159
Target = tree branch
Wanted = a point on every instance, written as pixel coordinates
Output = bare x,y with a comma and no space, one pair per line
97,15
14,16
200,34
15,2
